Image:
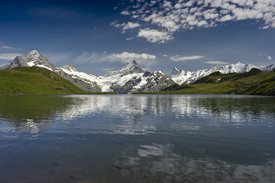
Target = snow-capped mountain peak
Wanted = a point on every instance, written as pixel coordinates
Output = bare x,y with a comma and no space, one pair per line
33,58
33,54
130,65
129,68
175,72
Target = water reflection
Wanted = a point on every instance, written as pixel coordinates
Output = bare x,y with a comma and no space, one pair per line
137,138
30,113
34,113
166,166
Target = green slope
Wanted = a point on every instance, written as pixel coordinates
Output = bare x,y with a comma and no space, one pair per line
253,82
34,81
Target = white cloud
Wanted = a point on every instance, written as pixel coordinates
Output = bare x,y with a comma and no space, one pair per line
202,23
125,12
8,56
269,57
127,55
153,35
124,57
130,38
130,25
115,24
108,69
167,4
178,58
7,47
179,15
216,62
165,55
226,18
265,27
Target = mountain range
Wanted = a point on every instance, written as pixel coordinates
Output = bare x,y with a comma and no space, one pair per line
131,78
187,77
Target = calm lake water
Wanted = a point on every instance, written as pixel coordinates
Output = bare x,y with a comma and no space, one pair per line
137,138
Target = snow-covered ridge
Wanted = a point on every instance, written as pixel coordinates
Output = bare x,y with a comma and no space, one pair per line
71,70
130,78
187,77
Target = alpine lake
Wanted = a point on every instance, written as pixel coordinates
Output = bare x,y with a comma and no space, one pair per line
137,138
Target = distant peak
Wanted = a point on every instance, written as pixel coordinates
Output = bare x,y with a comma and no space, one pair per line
68,67
33,53
130,65
176,69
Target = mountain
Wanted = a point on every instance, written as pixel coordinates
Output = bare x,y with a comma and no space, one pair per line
31,59
254,82
34,81
187,77
35,59
130,78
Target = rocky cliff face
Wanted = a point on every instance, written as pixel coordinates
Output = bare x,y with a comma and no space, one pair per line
157,82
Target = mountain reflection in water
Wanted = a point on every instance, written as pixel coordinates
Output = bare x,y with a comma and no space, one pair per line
145,138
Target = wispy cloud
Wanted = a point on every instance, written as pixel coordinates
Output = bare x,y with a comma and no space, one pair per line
216,62
269,57
10,48
108,69
8,56
124,57
130,38
58,57
7,47
125,26
178,58
91,57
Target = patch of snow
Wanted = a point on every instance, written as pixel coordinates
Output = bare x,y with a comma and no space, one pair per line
142,83
31,63
129,65
44,67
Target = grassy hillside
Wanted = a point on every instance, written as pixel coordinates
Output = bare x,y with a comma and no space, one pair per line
34,81
254,82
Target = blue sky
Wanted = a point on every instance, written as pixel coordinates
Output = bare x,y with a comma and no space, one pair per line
97,36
